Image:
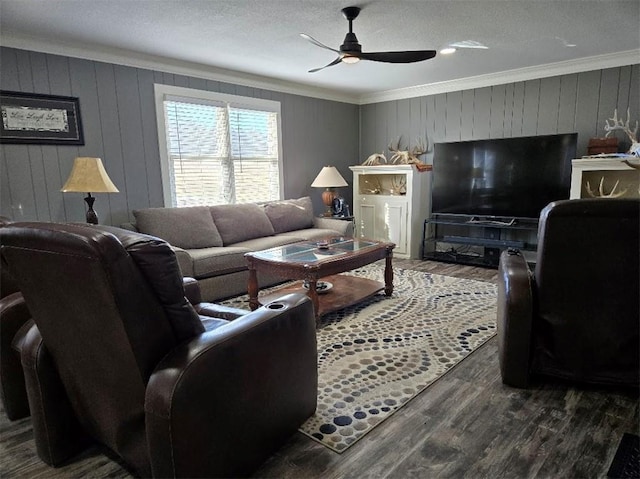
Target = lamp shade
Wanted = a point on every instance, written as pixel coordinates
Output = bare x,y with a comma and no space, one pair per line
88,175
329,177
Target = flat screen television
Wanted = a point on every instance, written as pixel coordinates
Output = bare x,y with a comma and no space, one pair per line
507,177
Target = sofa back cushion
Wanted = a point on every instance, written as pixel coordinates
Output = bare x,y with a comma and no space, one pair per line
241,222
187,227
290,215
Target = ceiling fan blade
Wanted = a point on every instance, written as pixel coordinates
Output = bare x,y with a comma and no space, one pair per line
317,43
334,62
398,57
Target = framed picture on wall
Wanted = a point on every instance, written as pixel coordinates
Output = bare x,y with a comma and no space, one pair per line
32,118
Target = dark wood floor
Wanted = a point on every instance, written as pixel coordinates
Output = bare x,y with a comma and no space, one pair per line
467,424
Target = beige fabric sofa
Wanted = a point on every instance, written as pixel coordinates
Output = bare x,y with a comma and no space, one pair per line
210,241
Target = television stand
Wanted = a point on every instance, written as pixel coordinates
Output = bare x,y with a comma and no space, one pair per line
476,240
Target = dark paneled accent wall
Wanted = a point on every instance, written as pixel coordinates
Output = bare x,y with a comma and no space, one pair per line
118,114
563,104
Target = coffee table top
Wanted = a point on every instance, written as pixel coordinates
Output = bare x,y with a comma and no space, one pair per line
308,251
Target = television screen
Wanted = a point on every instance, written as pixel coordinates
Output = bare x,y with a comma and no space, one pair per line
508,177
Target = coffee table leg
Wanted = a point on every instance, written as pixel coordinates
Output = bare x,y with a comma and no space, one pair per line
388,273
313,294
252,289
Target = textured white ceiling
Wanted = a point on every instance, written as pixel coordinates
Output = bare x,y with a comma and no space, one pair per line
261,37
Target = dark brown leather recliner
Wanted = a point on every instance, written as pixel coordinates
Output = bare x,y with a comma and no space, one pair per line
577,317
119,356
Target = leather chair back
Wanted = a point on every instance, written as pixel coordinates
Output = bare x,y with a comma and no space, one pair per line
587,285
104,326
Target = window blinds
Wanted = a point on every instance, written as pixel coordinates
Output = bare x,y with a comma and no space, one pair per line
220,153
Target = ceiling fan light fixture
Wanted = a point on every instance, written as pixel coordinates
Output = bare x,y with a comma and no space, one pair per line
351,51
447,51
350,59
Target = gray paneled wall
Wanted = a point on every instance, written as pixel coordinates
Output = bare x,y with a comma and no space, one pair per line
118,115
564,104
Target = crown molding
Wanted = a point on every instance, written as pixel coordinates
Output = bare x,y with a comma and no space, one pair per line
599,62
180,67
170,65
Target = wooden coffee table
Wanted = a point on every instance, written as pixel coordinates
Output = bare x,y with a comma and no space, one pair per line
305,261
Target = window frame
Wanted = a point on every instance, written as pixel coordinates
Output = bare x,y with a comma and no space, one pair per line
164,92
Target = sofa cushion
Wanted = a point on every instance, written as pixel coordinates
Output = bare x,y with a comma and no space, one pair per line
258,244
290,215
188,227
217,261
310,234
241,222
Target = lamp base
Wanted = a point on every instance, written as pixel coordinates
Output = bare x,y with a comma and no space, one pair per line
92,216
327,198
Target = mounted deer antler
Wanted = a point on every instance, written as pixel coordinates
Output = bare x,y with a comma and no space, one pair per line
399,184
624,127
419,149
632,165
601,192
406,157
375,159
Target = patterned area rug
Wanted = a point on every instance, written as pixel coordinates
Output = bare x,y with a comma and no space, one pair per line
376,356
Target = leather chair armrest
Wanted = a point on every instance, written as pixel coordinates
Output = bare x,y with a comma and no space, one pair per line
192,293
220,404
58,434
192,290
515,316
14,315
219,311
345,228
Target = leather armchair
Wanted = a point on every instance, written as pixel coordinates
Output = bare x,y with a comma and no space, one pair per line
577,316
118,355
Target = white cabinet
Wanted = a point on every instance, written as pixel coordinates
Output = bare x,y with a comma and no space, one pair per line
595,177
391,203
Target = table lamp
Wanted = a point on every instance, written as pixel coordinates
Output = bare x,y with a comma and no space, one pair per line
329,178
88,174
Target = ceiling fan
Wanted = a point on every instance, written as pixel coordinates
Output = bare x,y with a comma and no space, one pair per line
351,51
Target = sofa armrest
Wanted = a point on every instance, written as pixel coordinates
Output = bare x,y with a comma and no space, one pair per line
129,226
191,290
515,317
345,228
220,404
184,261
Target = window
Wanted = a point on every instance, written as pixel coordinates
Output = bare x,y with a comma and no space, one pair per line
216,148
